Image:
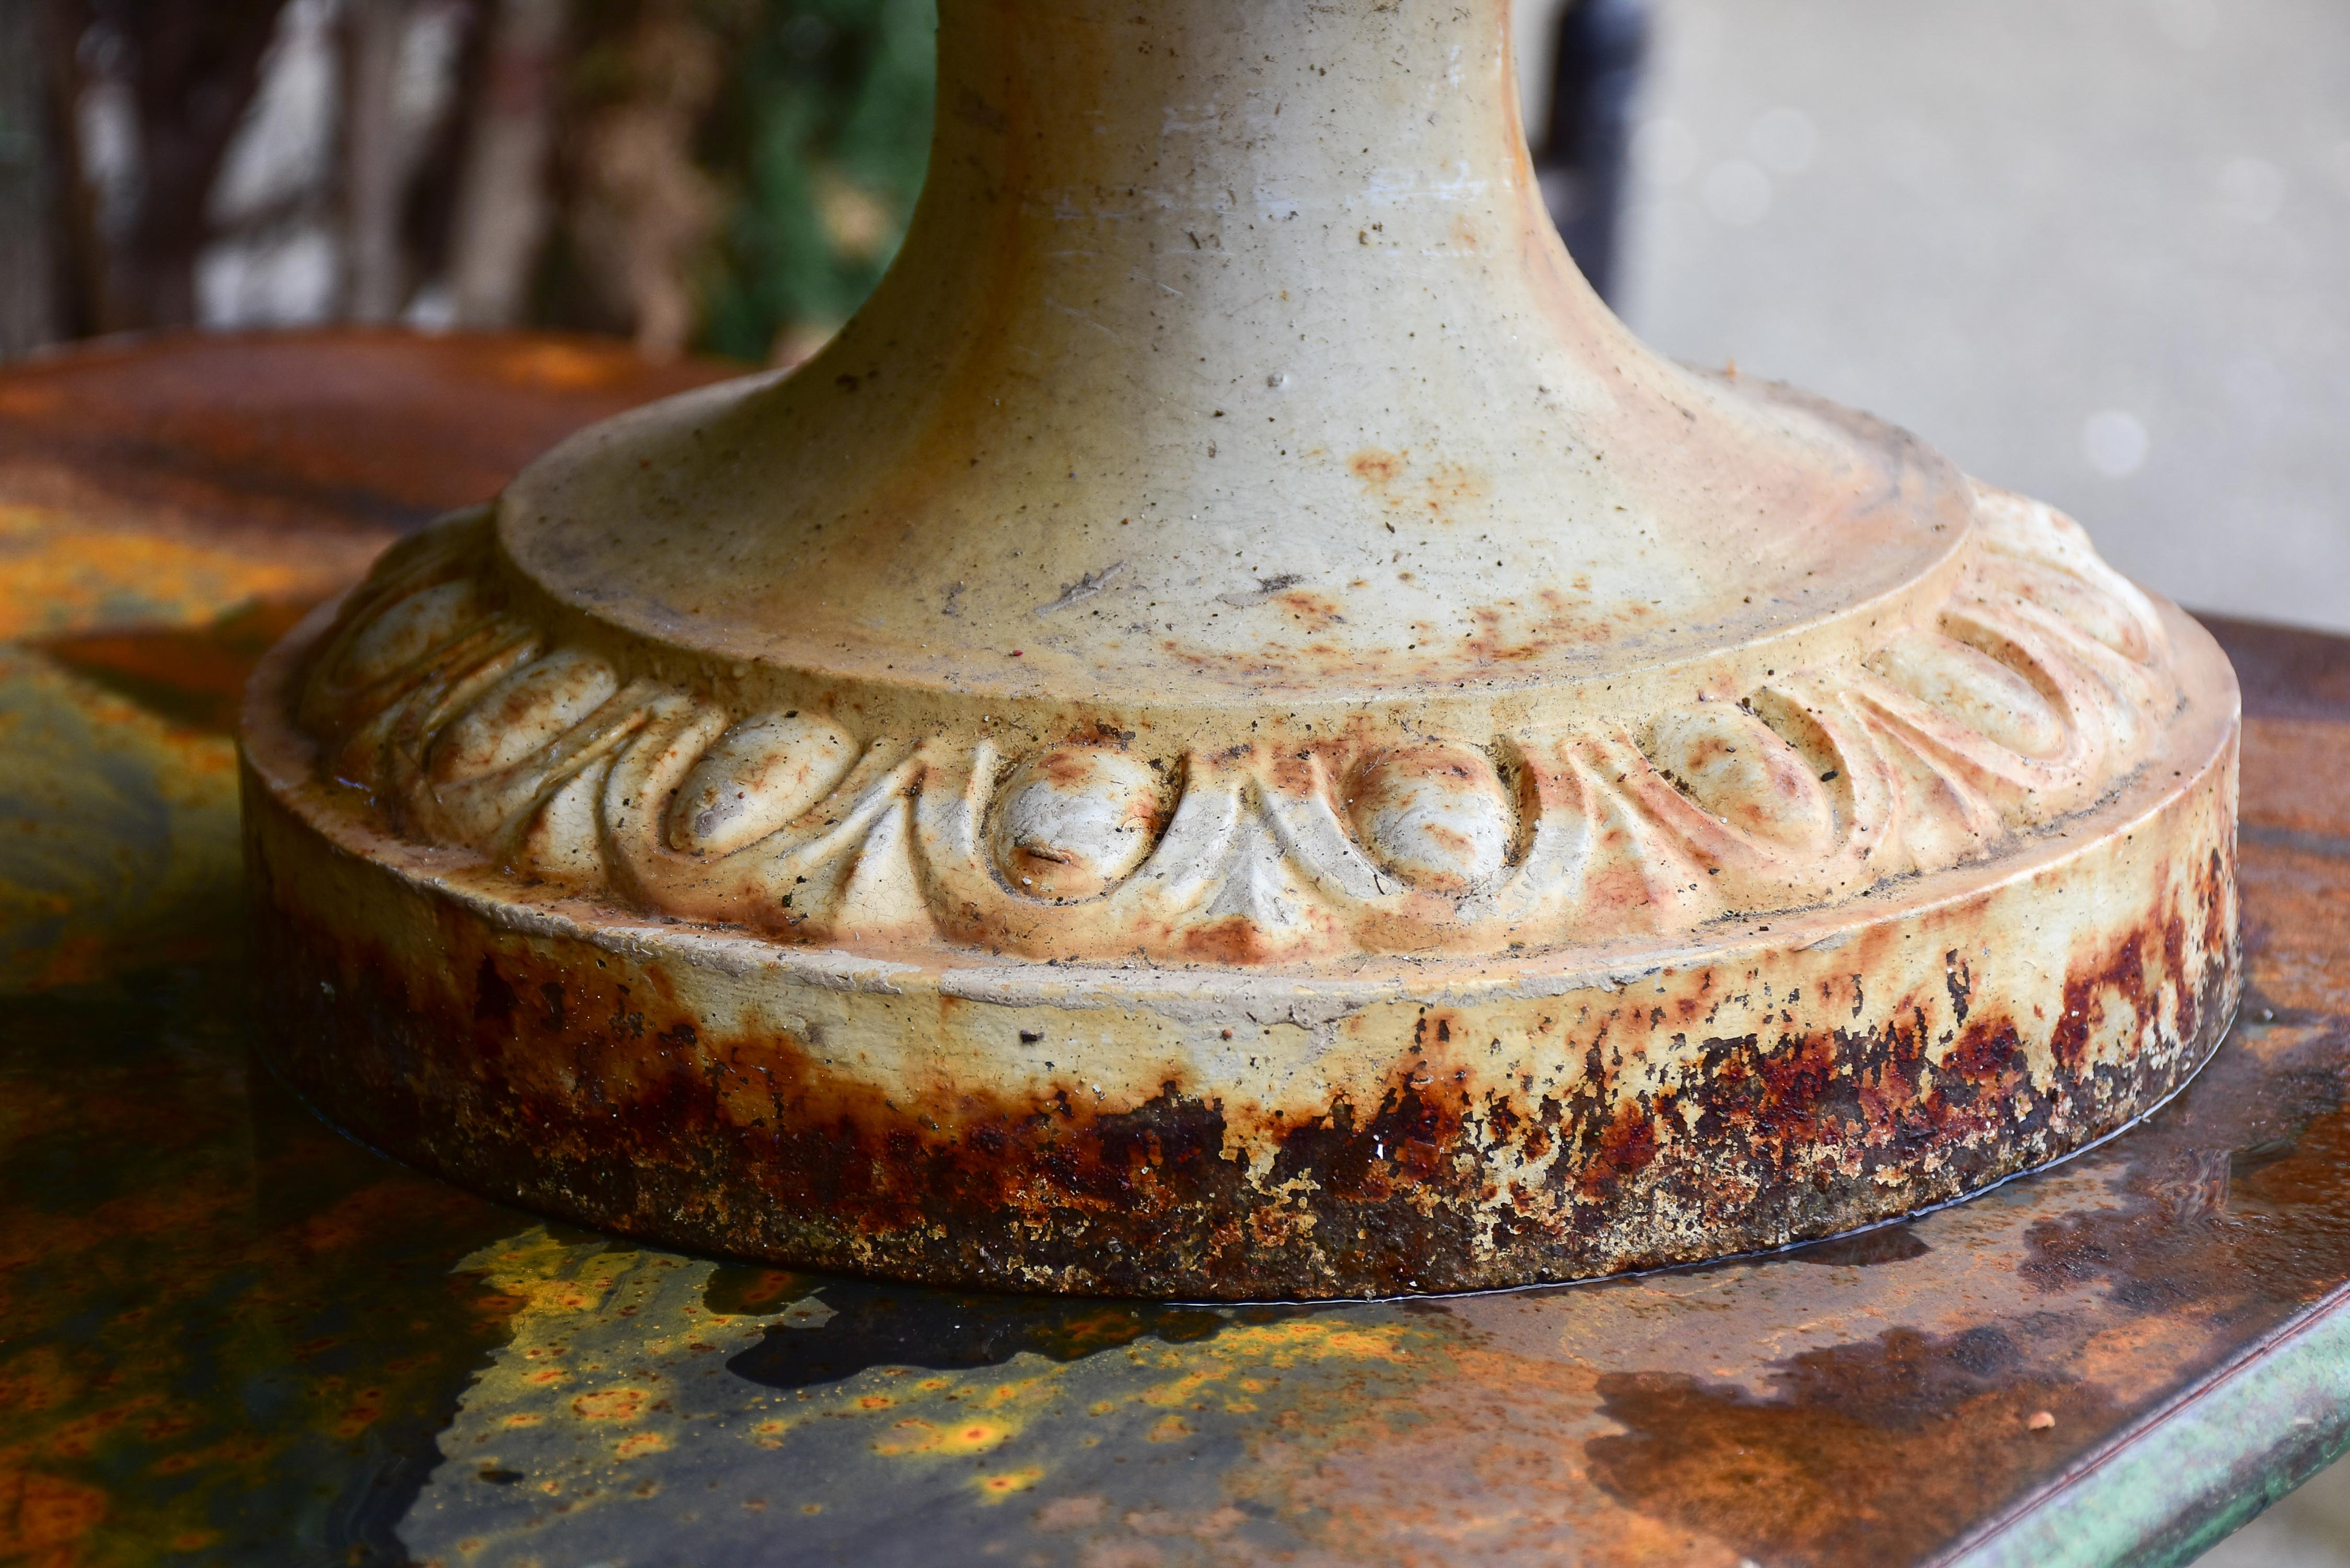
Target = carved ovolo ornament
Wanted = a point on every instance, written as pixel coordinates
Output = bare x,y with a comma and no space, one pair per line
2037,687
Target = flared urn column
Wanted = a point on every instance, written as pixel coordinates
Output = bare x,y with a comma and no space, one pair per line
1234,734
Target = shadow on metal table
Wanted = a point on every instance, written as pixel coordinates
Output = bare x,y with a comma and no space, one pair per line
229,1335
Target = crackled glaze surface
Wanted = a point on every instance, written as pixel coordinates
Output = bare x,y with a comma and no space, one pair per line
1234,734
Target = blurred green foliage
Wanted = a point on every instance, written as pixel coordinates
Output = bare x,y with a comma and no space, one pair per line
818,143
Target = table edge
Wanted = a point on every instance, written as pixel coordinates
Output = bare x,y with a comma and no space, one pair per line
2197,1469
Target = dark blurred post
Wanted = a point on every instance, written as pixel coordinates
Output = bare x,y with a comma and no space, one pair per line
639,212
194,68
1588,148
375,168
503,201
28,317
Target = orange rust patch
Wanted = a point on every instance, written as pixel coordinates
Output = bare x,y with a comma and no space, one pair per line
1065,767
611,1404
1874,1452
194,676
1312,611
44,1518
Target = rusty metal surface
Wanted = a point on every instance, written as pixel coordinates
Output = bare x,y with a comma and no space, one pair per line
227,1336
177,477
2296,690
169,507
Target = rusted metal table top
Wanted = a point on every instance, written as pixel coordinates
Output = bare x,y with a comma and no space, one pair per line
228,1335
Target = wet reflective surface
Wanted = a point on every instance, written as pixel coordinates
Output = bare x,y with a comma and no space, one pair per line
157,478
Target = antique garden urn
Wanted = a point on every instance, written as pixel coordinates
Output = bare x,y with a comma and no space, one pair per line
1234,735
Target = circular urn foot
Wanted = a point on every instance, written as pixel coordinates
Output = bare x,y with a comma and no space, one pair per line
1885,932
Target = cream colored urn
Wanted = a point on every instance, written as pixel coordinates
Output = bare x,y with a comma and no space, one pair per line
1234,735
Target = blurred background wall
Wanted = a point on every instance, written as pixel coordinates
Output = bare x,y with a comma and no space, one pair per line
2095,249
722,175
2098,250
